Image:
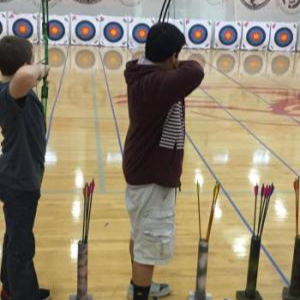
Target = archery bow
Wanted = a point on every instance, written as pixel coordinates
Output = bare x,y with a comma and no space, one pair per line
45,27
164,11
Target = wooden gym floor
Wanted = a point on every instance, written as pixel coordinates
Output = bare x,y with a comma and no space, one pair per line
242,128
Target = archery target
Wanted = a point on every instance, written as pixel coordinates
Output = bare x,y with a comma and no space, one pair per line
253,64
198,34
280,64
3,24
22,28
113,31
85,60
283,37
59,30
228,35
114,60
24,25
256,36
226,62
140,33
56,30
138,29
85,30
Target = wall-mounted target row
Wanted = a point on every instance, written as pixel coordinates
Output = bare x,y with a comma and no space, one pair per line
133,32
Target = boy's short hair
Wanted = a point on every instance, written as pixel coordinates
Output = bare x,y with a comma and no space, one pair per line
163,41
15,52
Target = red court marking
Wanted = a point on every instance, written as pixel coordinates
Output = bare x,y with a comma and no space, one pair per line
287,104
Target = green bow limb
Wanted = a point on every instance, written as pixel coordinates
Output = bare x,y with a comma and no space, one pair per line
45,28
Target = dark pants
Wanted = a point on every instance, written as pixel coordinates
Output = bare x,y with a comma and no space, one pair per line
17,270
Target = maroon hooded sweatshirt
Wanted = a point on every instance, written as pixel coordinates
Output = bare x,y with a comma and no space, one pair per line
155,139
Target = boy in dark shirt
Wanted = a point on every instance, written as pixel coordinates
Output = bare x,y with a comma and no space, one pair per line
22,160
157,85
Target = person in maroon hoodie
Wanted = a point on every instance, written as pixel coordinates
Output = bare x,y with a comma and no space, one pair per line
157,85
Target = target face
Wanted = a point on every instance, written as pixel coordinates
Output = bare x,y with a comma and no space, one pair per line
140,33
255,4
85,31
56,30
23,28
256,36
226,63
113,60
113,32
85,59
228,35
198,34
284,37
57,57
280,64
253,64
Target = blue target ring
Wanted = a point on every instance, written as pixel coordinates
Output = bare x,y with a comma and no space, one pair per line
140,33
256,36
23,28
228,35
284,37
113,32
198,34
85,31
56,30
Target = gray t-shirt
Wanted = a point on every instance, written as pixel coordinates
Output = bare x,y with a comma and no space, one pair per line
24,146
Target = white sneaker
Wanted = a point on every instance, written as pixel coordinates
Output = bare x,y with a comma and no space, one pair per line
156,290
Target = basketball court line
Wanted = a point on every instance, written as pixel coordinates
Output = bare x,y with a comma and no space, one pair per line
242,125
101,173
250,91
57,97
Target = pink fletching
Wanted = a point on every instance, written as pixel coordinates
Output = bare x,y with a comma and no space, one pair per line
267,191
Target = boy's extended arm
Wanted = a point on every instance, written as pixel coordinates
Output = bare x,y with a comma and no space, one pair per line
25,79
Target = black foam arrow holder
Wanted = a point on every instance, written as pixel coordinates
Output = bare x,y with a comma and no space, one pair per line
293,291
251,293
